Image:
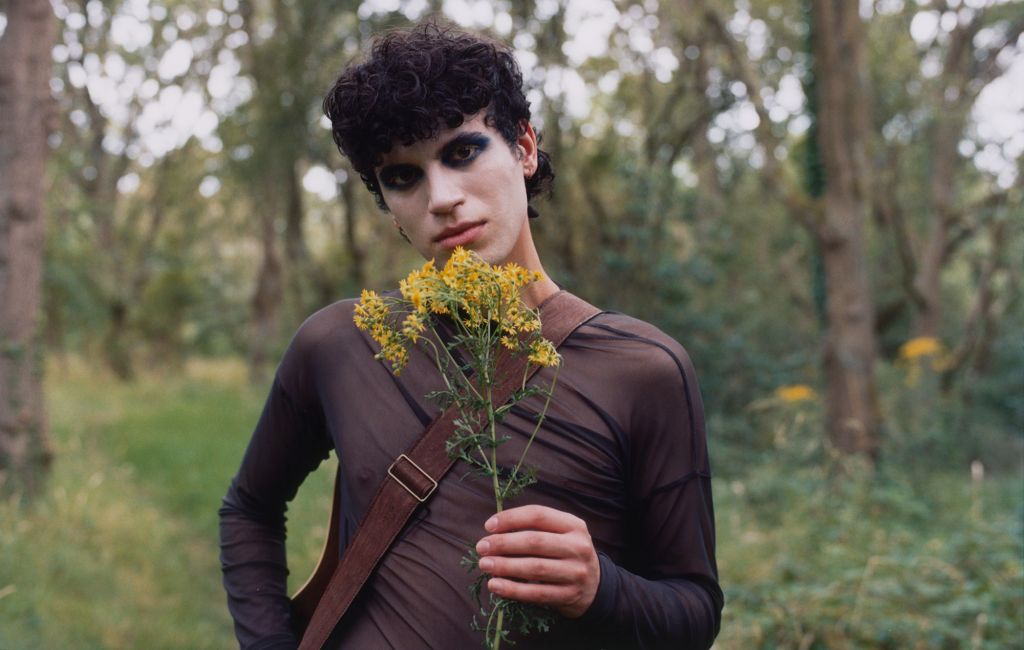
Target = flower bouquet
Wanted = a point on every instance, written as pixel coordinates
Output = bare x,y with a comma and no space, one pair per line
486,319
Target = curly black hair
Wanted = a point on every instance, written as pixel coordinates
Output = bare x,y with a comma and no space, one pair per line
416,81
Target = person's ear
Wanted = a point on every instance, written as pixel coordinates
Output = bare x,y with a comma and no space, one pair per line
526,145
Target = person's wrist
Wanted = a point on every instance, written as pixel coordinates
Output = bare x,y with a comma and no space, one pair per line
603,601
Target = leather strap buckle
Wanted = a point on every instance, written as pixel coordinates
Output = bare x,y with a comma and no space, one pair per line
410,490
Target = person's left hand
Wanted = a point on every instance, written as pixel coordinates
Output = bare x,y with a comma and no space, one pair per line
540,555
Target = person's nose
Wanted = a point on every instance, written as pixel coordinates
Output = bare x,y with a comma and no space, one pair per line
445,191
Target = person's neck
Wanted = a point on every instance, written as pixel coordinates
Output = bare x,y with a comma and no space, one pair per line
537,292
526,256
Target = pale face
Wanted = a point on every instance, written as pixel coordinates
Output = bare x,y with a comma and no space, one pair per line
466,187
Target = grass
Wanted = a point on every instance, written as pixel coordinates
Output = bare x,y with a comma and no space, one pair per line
898,558
121,550
869,583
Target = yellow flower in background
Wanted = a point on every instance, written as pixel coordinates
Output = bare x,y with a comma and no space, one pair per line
921,346
795,393
921,352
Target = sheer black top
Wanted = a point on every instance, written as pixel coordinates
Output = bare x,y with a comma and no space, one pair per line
623,447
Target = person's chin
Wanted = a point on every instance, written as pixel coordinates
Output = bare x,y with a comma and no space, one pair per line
487,253
478,246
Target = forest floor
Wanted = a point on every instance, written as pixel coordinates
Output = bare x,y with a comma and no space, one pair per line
121,550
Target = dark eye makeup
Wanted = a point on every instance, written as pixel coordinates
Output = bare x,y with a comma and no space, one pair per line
464,148
458,152
397,177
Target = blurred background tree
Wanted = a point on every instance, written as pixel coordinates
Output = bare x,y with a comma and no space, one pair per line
26,112
820,199
197,162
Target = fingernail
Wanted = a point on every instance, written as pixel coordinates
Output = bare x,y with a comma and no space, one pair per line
492,524
495,585
483,547
486,564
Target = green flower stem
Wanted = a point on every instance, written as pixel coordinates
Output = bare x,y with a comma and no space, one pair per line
497,629
453,362
536,428
498,493
437,362
481,315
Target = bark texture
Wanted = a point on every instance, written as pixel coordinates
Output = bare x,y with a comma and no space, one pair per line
26,111
354,249
843,133
266,301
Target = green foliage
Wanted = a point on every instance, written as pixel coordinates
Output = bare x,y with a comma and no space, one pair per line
874,562
813,552
72,298
650,216
694,238
817,553
121,551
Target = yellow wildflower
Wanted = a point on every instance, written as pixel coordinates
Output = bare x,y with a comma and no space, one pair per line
484,298
394,353
413,326
921,346
922,352
543,353
486,313
795,393
439,308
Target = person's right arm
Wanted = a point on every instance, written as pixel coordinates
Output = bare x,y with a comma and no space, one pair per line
288,443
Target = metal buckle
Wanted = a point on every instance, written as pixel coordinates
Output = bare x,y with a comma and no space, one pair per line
407,488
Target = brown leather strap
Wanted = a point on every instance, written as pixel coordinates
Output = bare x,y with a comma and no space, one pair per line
308,596
411,481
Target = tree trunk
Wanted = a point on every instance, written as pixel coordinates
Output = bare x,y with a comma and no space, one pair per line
355,251
850,346
26,111
117,351
303,285
975,346
266,302
710,197
294,239
933,256
814,178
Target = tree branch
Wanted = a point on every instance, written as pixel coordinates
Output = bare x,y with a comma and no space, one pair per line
965,221
805,209
987,69
980,325
892,215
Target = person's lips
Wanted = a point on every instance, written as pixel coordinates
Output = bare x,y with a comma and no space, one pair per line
460,234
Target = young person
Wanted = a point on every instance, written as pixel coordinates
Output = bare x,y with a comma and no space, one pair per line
617,536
